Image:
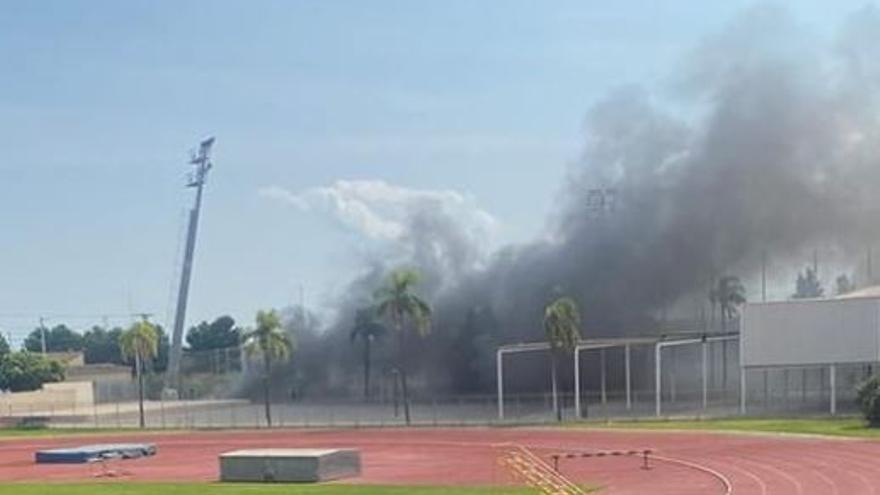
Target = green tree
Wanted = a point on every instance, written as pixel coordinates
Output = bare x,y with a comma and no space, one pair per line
58,339
562,327
24,371
844,285
405,310
868,398
140,342
368,330
808,285
4,347
160,362
102,346
219,334
729,294
272,344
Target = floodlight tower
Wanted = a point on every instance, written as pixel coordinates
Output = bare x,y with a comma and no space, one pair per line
201,162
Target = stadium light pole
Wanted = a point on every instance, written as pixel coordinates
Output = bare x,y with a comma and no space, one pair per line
201,160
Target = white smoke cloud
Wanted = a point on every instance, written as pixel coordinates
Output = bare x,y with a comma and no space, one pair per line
441,231
383,211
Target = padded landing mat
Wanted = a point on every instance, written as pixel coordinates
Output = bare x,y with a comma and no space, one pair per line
96,452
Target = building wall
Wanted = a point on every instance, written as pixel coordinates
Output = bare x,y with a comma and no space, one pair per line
53,398
811,332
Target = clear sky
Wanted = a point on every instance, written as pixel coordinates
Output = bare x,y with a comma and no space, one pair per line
100,102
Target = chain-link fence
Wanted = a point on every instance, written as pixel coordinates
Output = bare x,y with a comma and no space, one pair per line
519,409
687,389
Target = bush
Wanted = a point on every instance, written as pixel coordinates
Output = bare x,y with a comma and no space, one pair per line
869,400
24,371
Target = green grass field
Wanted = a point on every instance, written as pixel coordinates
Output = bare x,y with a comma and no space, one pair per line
843,427
13,433
241,489
840,427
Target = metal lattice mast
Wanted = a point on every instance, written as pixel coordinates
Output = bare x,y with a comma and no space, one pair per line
202,162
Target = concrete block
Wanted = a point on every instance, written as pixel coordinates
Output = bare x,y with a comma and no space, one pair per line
289,465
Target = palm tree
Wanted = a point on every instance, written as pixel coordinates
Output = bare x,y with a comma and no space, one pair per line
268,340
397,303
562,323
729,294
367,329
140,342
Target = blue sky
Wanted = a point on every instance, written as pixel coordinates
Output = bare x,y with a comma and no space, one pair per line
101,100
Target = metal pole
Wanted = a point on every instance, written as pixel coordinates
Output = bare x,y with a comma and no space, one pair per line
499,363
657,379
724,365
602,376
742,389
577,382
804,385
628,377
43,335
764,276
832,378
785,388
766,390
673,365
705,346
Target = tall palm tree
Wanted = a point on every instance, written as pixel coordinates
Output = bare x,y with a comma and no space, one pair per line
405,310
140,342
729,294
367,329
269,341
562,324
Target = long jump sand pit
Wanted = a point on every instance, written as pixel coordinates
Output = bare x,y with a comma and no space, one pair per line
694,463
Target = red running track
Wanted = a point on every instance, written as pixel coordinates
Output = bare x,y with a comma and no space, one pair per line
754,465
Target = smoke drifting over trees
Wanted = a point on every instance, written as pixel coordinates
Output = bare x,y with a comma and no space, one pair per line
768,138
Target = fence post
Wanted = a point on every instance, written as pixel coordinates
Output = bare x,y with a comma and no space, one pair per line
832,378
804,385
766,390
628,377
658,380
602,376
705,364
785,389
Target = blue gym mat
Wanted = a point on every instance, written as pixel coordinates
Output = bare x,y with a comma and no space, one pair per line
92,453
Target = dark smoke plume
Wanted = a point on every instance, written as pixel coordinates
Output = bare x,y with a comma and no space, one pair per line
766,140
